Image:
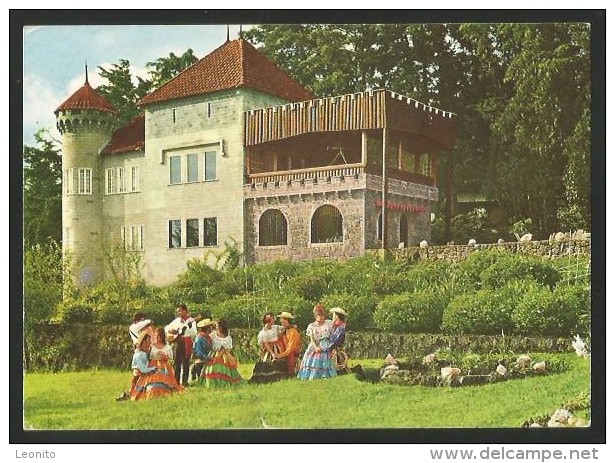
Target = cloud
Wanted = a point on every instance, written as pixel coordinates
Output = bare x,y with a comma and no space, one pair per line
39,102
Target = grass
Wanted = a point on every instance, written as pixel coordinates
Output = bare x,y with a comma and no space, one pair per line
86,401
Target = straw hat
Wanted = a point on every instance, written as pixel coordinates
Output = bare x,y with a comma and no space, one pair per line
286,315
338,310
141,337
205,322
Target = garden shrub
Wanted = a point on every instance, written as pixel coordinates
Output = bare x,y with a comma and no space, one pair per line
310,286
514,267
543,312
409,313
577,298
77,312
42,282
470,269
358,307
485,311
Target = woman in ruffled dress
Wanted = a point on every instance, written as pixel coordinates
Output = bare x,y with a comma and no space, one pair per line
154,379
270,341
317,362
221,370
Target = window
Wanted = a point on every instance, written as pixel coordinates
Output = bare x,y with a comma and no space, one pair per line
403,229
121,180
68,238
132,237
208,109
192,233
210,165
327,225
175,233
192,161
109,181
174,115
68,173
134,178
85,181
272,228
210,231
175,163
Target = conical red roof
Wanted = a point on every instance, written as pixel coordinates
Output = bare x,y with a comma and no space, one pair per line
86,98
235,64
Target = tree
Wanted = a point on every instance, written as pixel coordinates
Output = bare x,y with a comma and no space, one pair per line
164,69
42,202
121,90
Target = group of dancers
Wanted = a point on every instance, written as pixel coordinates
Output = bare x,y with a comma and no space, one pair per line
201,349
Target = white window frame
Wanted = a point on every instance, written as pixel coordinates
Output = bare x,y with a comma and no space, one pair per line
134,178
121,180
109,181
181,177
215,153
85,181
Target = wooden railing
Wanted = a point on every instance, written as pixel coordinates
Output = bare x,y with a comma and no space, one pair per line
346,170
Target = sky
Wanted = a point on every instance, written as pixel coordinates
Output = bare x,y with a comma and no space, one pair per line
54,59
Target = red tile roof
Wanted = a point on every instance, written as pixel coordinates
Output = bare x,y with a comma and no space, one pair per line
234,64
129,138
86,98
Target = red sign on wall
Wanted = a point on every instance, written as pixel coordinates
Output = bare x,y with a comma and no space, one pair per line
401,207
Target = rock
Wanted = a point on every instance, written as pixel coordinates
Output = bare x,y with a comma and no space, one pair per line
524,361
424,244
450,373
540,367
501,369
429,359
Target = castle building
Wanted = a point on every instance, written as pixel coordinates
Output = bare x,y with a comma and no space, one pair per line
233,150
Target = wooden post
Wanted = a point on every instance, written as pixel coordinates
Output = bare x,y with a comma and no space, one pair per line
449,195
363,147
399,156
384,190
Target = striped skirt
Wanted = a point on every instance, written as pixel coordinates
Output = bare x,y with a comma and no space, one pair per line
221,371
316,365
156,384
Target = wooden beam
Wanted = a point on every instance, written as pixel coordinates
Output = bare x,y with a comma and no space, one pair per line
364,147
384,189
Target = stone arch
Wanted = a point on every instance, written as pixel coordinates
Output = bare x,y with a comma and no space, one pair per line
327,225
272,228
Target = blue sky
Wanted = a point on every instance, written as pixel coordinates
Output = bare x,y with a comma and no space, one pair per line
54,58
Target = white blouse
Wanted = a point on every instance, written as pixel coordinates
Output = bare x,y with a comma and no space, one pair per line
154,353
269,334
218,343
319,332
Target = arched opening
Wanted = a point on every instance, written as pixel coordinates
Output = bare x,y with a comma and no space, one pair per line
272,228
327,225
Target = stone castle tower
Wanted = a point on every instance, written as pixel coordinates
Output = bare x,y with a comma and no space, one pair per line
86,121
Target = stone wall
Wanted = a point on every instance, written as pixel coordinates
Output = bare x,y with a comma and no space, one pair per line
456,253
298,210
81,347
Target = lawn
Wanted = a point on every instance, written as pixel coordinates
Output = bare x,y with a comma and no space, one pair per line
86,401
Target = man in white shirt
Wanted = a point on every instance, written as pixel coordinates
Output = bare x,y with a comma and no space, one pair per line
182,331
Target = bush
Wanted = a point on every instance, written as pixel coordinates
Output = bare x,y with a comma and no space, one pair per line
518,268
359,308
470,269
311,287
485,311
77,312
558,313
42,285
409,313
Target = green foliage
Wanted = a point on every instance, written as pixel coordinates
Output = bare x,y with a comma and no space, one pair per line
358,307
559,313
510,268
470,269
42,190
409,313
164,69
77,312
485,311
43,282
